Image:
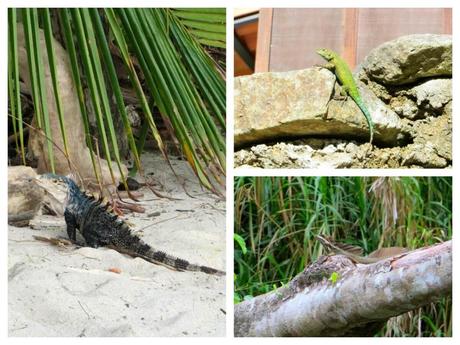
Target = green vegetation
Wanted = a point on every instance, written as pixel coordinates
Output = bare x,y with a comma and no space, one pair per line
167,66
277,217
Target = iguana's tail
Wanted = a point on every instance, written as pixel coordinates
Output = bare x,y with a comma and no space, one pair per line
368,117
134,246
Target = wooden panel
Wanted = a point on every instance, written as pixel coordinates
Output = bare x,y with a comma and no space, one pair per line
447,12
297,33
351,35
264,33
377,26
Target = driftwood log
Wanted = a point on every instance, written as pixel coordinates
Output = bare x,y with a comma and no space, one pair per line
337,297
79,154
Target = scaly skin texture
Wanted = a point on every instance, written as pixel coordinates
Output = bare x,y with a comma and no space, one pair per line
343,74
354,253
99,227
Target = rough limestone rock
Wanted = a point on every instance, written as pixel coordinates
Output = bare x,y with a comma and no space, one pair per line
280,104
436,134
24,196
426,99
283,155
433,95
410,58
298,103
406,84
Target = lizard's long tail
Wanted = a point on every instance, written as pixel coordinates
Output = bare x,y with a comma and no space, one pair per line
368,117
135,246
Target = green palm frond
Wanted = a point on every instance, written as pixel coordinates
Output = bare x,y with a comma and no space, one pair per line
165,63
207,25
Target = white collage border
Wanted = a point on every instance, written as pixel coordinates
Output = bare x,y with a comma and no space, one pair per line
230,5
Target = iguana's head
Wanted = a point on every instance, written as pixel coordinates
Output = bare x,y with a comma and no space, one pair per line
58,187
326,53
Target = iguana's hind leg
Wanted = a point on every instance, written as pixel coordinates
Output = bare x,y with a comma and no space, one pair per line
343,94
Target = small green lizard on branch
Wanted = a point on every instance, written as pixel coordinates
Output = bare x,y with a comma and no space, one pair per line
344,76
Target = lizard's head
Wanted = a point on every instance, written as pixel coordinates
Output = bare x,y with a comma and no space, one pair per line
326,53
57,186
324,240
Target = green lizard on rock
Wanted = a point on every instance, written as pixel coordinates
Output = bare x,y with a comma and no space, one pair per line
345,78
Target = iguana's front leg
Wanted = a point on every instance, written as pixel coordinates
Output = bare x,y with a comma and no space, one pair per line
71,225
72,229
329,66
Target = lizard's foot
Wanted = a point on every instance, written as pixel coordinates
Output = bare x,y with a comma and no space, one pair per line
340,98
368,149
76,243
329,67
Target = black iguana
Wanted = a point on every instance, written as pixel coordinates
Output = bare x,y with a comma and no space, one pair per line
345,77
99,227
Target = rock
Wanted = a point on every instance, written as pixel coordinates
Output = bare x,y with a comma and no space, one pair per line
269,106
48,222
410,58
424,156
24,196
133,116
283,155
432,95
433,151
435,133
404,107
423,100
406,85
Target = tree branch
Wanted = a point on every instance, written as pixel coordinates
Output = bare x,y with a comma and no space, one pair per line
361,299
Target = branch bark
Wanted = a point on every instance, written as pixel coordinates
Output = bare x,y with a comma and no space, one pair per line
363,296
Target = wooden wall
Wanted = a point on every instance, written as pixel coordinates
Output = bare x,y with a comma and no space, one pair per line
288,38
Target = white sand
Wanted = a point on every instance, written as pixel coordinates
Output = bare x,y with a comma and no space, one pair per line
71,292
